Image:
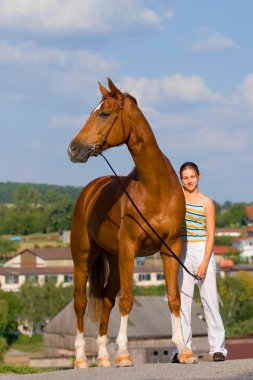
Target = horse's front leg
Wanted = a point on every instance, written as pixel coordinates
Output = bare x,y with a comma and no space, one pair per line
109,295
170,266
126,265
80,302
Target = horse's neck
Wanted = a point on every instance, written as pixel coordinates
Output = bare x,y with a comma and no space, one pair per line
150,162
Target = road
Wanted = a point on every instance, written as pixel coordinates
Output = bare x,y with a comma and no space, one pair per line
229,370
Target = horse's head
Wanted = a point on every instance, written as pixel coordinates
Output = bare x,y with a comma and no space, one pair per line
106,127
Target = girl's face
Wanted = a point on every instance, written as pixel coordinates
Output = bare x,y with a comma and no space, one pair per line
190,179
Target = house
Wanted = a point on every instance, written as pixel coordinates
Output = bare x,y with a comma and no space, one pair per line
244,246
38,266
148,275
41,265
249,211
220,252
230,269
249,231
149,332
233,232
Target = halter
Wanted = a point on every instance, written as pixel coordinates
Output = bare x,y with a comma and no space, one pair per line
104,140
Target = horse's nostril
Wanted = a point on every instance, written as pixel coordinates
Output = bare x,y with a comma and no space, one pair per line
72,150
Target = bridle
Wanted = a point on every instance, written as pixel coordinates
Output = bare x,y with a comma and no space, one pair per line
98,148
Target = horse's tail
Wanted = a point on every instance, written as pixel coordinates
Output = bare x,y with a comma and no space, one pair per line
97,281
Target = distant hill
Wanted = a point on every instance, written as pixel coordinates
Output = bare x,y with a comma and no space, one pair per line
7,190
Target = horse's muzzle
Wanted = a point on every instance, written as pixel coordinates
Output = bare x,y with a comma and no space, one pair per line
78,155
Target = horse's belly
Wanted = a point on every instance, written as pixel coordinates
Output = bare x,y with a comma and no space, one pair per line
107,238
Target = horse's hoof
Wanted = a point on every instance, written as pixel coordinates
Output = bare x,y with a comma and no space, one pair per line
104,362
123,360
81,363
187,358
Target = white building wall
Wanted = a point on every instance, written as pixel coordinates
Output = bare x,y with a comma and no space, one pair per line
15,262
245,247
147,282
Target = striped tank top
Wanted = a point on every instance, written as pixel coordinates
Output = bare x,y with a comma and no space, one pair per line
194,229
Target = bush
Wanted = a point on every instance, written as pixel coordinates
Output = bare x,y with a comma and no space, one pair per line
3,347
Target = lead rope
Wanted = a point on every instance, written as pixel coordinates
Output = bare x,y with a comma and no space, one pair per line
145,220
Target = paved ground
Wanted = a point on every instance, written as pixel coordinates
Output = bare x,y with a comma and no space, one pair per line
229,370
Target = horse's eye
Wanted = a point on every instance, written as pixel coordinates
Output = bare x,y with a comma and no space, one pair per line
104,115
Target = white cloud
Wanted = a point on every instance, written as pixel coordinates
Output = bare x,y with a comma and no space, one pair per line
213,138
175,87
29,53
94,16
247,88
66,72
216,41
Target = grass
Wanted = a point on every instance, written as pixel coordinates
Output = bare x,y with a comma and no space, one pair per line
26,344
13,368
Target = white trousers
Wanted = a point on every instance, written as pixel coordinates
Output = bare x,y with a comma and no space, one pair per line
192,257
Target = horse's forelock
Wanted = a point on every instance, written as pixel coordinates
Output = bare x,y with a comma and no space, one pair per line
110,95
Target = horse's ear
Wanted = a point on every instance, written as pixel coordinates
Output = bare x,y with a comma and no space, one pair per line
103,90
114,90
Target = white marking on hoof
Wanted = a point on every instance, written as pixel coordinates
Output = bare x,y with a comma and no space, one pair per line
187,358
104,362
123,361
81,363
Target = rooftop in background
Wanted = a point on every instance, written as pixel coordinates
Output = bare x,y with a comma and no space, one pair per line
150,317
249,210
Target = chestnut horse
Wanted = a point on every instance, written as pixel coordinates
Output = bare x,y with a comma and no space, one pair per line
107,228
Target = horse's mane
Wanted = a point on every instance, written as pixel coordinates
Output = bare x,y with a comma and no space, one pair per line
131,97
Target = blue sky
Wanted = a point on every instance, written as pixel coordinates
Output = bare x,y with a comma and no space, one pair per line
189,63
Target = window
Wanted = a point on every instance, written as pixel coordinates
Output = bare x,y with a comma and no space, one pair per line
34,278
51,278
140,261
144,277
68,278
158,354
160,276
11,279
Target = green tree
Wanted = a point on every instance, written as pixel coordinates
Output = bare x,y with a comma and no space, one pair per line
236,294
233,216
223,240
59,209
54,298
14,307
41,303
26,198
32,309
3,347
4,313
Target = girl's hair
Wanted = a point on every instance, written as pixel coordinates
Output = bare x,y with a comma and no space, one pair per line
188,165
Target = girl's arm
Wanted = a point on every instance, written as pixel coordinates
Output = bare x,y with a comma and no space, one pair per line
210,232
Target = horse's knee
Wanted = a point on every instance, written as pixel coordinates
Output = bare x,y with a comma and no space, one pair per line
125,303
174,303
108,304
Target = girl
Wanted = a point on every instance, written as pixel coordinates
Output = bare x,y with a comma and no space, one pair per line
197,254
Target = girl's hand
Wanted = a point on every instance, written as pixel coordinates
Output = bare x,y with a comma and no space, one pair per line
201,272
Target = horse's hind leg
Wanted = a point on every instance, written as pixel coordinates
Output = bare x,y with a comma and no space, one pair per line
110,292
170,266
